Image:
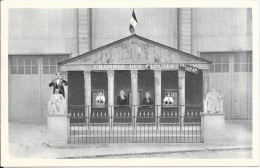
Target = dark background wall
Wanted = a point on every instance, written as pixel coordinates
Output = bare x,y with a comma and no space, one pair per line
193,89
146,83
122,82
193,93
76,88
99,81
169,81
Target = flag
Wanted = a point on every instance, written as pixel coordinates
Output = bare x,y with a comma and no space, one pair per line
133,22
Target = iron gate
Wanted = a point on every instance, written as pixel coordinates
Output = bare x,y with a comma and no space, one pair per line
134,124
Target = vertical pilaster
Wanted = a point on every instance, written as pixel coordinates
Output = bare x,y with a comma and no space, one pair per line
87,91
185,29
181,83
84,31
157,87
110,77
205,74
134,91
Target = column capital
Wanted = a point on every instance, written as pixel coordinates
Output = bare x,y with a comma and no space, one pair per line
181,74
111,73
134,73
87,74
157,73
64,74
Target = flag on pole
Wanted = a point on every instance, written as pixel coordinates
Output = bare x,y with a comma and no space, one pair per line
133,23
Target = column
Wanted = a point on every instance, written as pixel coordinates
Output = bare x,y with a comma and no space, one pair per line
64,75
205,73
87,91
134,92
181,83
157,88
110,77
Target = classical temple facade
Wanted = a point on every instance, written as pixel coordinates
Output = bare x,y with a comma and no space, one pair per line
137,65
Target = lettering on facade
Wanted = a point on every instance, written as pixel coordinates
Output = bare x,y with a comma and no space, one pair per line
189,68
134,66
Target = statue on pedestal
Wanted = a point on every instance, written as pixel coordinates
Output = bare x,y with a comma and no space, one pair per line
58,83
57,103
213,102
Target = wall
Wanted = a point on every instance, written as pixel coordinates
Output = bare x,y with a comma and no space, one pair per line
146,83
110,25
193,89
99,81
122,82
221,30
169,81
42,31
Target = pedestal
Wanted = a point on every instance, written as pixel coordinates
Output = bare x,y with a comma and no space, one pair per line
57,129
213,127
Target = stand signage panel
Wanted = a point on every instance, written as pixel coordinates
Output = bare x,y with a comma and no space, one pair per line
189,68
105,67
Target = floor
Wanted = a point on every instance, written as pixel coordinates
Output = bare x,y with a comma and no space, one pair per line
29,140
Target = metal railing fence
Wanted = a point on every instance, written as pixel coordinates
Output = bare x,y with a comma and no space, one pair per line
137,124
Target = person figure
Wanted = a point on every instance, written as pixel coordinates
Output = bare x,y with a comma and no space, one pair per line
122,99
100,99
58,83
147,100
214,102
57,103
168,100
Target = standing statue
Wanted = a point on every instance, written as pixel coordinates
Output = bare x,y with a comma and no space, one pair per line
58,83
213,102
57,103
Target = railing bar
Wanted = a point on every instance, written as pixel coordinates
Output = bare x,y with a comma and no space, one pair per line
192,125
86,131
160,130
140,128
196,131
148,129
143,139
108,129
74,132
117,130
184,131
189,130
164,131
176,126
82,133
201,138
181,128
89,129
121,132
169,128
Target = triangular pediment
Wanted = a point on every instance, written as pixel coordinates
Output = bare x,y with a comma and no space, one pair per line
134,49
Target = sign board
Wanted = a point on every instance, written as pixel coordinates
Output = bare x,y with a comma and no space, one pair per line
189,68
105,67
